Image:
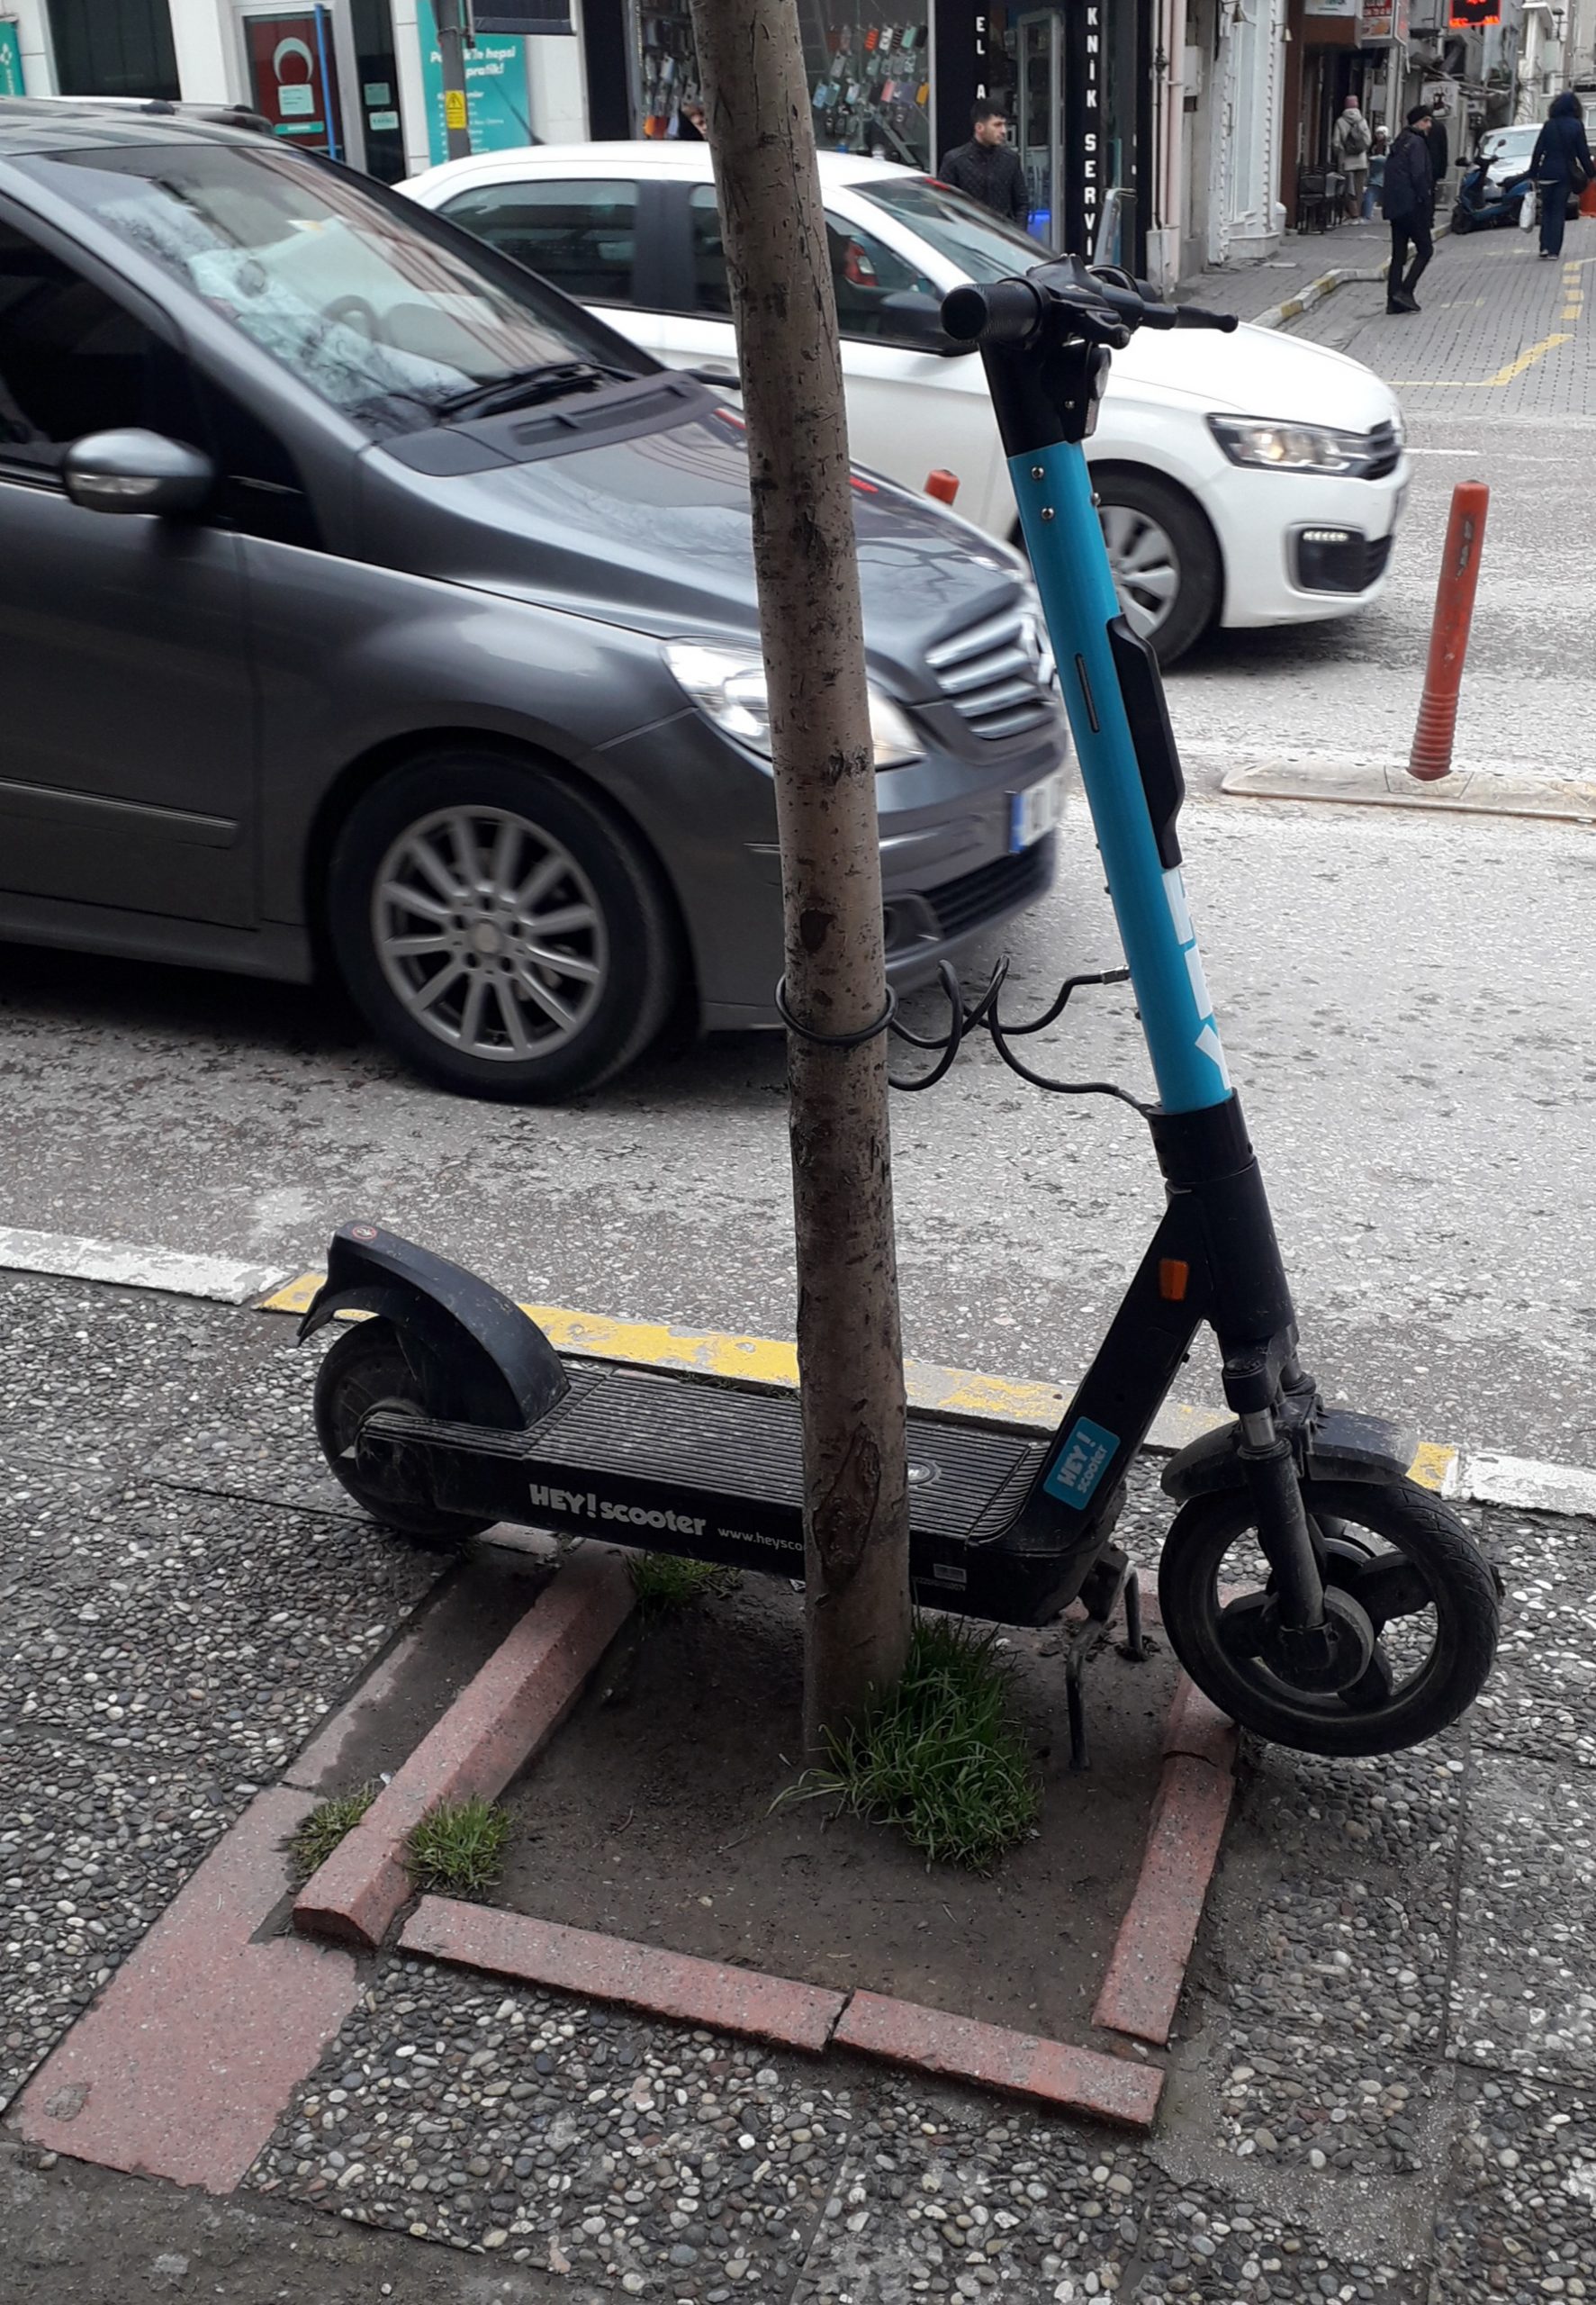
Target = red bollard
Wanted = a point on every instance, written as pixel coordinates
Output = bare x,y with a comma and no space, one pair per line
1431,756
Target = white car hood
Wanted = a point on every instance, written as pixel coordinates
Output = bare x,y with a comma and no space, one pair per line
1255,372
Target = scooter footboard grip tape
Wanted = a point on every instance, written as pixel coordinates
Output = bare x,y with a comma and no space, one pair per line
1153,738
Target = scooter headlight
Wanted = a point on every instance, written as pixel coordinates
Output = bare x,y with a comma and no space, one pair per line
728,687
1288,447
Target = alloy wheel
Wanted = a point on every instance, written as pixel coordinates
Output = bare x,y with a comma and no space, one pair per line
490,933
1145,565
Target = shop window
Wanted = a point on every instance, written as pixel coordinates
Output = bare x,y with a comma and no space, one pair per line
580,236
73,361
865,274
113,48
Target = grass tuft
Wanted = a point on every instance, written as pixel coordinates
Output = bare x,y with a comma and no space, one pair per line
324,1828
663,1581
459,1848
939,1756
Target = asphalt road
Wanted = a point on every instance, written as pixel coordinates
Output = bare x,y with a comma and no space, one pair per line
1407,1004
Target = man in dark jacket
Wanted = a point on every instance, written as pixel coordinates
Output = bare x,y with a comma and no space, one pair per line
1562,166
989,168
1408,198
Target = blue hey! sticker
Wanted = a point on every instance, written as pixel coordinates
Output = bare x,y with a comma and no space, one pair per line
1082,1463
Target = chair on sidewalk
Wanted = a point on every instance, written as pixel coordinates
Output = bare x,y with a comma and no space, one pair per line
1313,200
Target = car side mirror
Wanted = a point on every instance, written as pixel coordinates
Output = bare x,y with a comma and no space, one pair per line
135,471
911,318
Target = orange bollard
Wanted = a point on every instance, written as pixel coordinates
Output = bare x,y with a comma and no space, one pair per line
942,486
1431,756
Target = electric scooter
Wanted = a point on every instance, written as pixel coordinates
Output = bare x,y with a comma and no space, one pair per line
1306,1584
1480,203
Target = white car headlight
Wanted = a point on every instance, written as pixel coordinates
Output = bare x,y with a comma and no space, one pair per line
1289,448
728,687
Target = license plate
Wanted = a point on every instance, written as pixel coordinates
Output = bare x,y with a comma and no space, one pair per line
1035,812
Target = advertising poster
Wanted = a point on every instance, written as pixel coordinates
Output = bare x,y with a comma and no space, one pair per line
498,105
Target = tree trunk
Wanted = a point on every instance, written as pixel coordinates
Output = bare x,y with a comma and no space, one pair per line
857,1614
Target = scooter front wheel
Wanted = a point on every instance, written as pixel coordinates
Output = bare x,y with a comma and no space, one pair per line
364,1367
1415,1609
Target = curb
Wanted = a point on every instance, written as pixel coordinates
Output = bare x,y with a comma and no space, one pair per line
779,2010
515,1702
1478,791
1146,1971
1294,307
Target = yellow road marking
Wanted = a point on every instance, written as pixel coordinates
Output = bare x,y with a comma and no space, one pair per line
761,1360
1570,312
1484,384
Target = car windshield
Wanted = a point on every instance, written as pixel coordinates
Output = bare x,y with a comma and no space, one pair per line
980,244
1510,143
385,312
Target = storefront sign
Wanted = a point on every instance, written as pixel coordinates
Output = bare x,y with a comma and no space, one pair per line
1083,123
1332,7
529,19
1474,16
498,106
1385,20
10,60
292,77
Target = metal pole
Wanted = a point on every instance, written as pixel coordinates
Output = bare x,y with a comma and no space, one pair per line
454,31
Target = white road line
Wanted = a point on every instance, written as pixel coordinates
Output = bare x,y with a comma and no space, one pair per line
1531,1486
64,1256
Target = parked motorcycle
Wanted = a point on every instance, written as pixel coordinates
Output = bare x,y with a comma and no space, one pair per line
1480,202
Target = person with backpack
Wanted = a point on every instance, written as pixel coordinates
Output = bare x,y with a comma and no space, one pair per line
1349,156
1560,166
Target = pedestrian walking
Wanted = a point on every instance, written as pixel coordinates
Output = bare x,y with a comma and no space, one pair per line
1351,140
989,168
1378,151
1560,166
1407,203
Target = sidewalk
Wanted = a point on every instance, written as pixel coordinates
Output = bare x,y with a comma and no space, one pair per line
1261,284
1381,2088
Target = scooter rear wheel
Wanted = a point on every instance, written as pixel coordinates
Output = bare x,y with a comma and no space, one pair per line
363,1366
1427,1593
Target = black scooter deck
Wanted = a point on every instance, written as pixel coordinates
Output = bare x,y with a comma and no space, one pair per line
683,1465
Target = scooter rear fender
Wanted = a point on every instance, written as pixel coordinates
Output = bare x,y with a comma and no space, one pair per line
476,1357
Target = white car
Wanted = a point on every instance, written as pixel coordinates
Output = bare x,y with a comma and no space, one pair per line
1246,479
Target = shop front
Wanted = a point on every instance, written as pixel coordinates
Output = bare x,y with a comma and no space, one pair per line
1076,78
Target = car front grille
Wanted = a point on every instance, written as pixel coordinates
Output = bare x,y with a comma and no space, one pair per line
1384,452
1000,887
998,673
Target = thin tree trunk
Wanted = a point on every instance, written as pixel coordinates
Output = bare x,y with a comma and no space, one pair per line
857,1614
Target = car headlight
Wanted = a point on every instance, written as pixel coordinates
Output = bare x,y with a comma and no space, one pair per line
1289,448
729,688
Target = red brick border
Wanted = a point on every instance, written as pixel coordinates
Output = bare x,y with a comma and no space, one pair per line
962,2048
516,1700
612,1968
1147,1968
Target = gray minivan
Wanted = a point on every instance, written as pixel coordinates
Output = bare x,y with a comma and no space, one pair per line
426,640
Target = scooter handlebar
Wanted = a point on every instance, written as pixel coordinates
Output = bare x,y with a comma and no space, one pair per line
1012,312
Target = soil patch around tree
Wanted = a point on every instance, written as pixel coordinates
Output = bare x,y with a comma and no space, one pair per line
649,1816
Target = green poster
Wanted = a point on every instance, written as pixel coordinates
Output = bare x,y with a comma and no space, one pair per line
497,102
10,60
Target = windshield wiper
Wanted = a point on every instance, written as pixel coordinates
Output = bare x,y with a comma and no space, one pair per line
526,387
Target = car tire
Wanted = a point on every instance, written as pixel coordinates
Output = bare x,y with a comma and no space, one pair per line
1151,527
499,928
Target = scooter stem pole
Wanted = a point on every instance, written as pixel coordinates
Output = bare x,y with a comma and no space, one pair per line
1058,518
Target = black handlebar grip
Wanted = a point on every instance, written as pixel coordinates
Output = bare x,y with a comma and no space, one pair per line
1006,312
1193,316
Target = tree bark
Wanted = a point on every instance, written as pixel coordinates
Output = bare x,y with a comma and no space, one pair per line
857,1612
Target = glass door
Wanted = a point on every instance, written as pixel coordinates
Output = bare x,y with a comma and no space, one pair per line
1039,125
